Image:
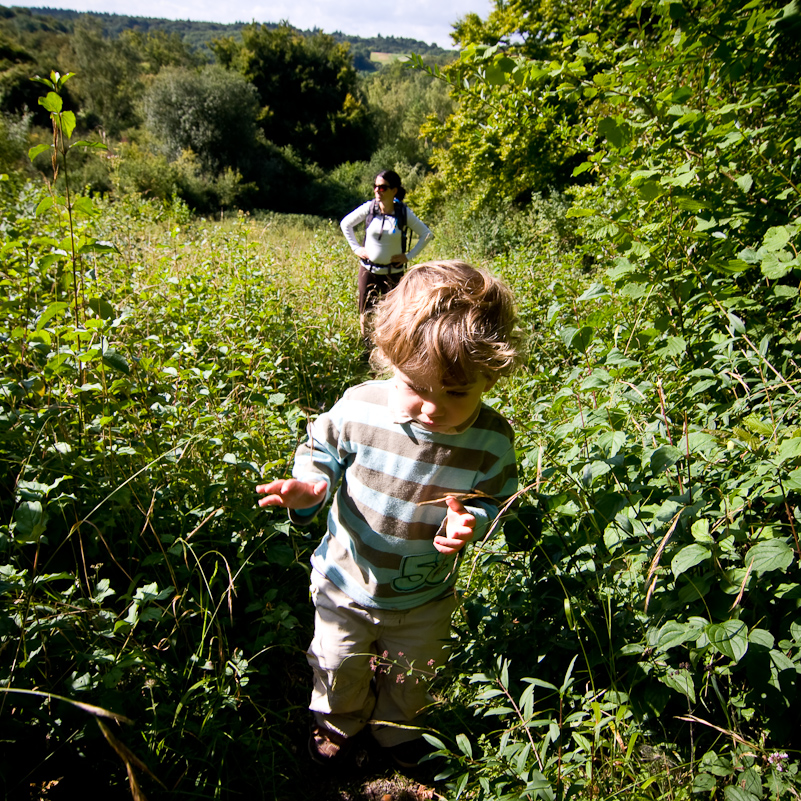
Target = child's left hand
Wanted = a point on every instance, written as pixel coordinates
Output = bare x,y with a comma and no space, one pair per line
458,528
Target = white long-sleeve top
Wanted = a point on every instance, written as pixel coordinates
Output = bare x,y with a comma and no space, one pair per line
383,236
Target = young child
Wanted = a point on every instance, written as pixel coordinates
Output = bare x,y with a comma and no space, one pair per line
421,467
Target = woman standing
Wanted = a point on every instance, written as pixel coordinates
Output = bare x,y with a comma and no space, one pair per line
388,225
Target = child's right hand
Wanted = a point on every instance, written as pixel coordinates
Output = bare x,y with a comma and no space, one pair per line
291,493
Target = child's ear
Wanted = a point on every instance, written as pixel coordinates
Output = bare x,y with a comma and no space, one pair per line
492,380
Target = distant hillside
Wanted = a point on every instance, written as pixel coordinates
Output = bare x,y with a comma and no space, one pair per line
199,34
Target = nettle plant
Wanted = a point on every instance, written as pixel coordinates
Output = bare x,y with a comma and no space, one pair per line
145,388
650,639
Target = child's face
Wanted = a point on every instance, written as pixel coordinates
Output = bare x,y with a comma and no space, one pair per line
434,405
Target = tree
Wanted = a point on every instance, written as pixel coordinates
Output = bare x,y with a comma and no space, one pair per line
108,78
686,117
212,112
308,90
158,49
400,102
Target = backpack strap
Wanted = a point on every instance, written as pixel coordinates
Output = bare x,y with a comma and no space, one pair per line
400,216
371,215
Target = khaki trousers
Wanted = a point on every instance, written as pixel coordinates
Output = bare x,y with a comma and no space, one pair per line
373,666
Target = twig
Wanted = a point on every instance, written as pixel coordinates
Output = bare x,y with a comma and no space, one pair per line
655,563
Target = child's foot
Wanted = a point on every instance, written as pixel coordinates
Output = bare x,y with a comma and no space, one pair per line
326,747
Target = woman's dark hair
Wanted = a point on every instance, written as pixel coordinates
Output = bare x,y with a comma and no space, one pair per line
394,181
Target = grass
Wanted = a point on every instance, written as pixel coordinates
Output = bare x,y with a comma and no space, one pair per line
143,578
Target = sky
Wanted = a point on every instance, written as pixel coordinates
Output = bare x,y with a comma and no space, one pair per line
429,21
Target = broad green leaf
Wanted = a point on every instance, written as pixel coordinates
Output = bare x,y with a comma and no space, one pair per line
691,204
793,479
151,592
776,238
45,204
635,290
115,360
703,783
762,638
664,457
705,223
83,204
621,268
681,681
789,448
736,323
680,178
31,520
729,638
717,764
580,341
67,123
673,346
781,661
611,442
650,190
774,266
93,145
99,247
464,745
495,75
769,555
753,423
674,633
596,290
700,530
694,587
616,358
52,102
36,150
616,134
735,793
689,556
51,311
102,308
598,379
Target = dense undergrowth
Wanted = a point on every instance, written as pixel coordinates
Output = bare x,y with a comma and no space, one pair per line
633,631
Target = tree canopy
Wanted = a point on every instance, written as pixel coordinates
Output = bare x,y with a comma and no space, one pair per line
212,112
307,88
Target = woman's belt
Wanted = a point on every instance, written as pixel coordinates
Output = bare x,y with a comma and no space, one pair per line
383,269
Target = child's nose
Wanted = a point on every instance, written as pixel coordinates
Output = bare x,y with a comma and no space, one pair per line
429,408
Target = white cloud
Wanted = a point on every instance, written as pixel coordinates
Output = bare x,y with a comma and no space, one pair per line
430,22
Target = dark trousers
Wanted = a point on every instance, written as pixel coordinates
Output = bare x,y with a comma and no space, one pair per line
372,287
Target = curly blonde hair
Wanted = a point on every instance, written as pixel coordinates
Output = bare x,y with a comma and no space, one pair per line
448,316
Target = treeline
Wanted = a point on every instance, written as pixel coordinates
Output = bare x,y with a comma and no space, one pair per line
199,35
262,116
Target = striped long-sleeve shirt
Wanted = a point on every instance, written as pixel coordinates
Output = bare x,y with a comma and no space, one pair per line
379,545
